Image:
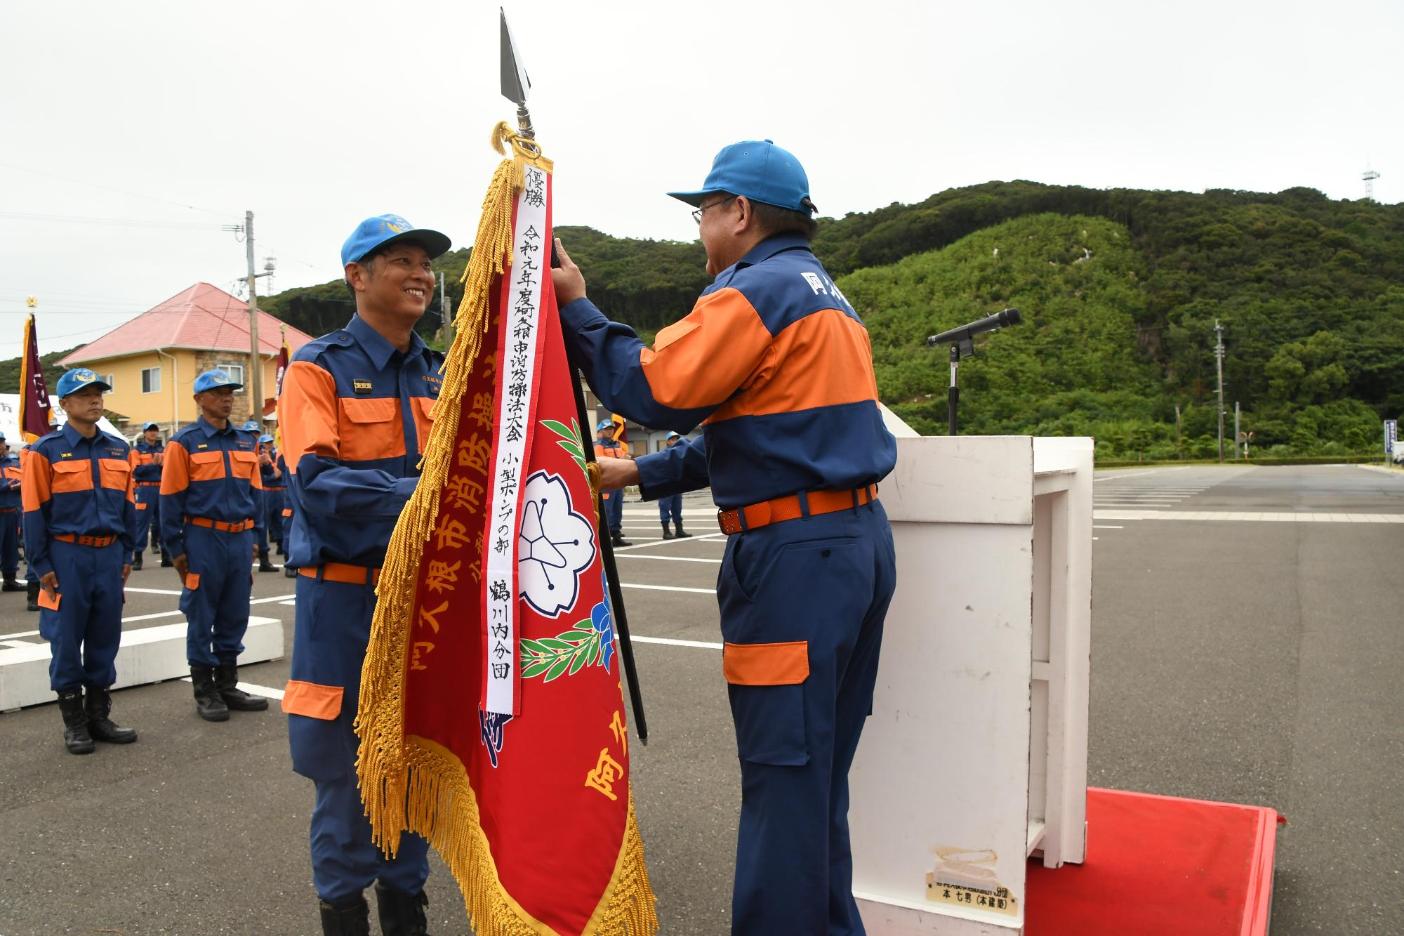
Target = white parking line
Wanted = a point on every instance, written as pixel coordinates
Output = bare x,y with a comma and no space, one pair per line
670,588
252,689
671,558
675,642
152,591
177,613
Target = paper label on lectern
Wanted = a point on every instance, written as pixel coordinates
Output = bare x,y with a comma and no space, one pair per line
998,900
965,877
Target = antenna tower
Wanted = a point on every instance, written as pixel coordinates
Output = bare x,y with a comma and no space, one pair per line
1370,176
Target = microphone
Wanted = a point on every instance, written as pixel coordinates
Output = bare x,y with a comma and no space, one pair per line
970,330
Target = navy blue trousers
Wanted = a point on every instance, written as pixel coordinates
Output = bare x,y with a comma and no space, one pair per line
614,510
329,642
9,542
148,517
85,631
825,582
670,506
217,607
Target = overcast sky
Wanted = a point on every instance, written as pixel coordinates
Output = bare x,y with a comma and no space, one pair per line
133,131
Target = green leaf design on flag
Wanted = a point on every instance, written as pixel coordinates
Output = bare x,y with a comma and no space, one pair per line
562,655
569,440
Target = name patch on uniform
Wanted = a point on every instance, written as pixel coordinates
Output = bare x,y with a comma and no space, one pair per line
361,387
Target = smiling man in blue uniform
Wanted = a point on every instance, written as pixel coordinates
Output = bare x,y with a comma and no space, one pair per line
777,367
79,518
210,487
355,416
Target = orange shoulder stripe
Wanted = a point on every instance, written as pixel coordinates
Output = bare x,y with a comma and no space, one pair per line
701,359
175,469
35,489
823,359
308,408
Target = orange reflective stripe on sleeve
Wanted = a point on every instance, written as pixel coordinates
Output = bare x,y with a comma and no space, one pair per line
702,359
375,429
35,490
131,476
308,414
823,359
175,469
312,700
766,664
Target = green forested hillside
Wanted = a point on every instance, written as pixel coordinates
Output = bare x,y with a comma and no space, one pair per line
1310,293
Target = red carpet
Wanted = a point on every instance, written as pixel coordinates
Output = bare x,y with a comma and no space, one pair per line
1160,866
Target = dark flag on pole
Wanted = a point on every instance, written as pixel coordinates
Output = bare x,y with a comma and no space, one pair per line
34,393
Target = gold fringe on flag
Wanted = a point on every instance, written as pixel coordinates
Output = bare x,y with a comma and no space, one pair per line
410,783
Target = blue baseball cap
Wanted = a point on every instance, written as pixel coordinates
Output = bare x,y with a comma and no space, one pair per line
604,424
250,426
384,230
674,435
265,438
761,171
214,380
77,379
150,425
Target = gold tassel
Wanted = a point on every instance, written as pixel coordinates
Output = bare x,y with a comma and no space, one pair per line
412,783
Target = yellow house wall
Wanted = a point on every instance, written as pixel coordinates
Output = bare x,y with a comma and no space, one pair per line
176,396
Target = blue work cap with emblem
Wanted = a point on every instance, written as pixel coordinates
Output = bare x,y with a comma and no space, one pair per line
265,439
150,425
674,435
761,171
604,424
78,379
214,380
250,426
383,230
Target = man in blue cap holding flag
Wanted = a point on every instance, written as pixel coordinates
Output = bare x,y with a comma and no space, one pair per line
777,366
149,453
354,415
79,517
210,487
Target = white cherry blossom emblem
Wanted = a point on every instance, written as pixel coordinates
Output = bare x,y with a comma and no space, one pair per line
554,546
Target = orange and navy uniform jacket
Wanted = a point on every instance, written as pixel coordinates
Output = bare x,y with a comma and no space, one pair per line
11,473
354,415
774,363
211,473
77,487
147,471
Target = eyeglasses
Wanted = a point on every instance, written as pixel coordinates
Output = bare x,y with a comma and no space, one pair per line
698,213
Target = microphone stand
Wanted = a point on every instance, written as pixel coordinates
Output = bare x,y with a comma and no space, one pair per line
958,348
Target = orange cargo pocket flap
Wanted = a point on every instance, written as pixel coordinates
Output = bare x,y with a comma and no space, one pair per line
140,505
49,599
766,664
312,700
192,580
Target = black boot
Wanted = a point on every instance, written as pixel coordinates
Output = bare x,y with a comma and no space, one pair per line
11,584
136,562
263,564
98,704
667,533
618,539
31,590
75,722
681,532
208,704
166,562
401,914
348,918
236,699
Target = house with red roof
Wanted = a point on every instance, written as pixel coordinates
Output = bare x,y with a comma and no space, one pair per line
152,360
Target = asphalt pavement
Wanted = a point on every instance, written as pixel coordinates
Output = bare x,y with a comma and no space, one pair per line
1246,660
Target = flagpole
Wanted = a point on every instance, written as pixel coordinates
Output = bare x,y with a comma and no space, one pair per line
515,85
616,594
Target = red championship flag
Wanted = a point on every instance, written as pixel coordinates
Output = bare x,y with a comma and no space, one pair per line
491,717
34,392
284,356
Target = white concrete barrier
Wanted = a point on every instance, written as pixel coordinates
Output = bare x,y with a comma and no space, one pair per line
147,655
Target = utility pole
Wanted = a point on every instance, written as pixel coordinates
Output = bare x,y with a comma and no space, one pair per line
1237,434
256,400
1219,362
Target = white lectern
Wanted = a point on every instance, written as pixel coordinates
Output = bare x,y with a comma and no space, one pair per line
975,756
